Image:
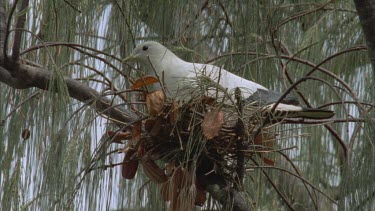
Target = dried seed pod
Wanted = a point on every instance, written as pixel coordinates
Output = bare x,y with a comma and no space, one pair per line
25,134
129,166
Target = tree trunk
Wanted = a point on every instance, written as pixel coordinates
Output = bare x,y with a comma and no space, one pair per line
366,13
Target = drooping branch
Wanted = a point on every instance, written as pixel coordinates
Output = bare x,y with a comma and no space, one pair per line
6,28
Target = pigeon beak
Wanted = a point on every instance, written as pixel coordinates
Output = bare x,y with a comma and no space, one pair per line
131,57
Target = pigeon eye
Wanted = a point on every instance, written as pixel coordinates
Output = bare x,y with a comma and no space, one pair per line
144,48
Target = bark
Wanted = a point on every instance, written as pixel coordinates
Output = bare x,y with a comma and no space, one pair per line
22,76
366,13
18,34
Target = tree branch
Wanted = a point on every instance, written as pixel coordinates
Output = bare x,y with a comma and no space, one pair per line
28,77
18,35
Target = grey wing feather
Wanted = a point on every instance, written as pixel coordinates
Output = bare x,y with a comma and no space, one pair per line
266,97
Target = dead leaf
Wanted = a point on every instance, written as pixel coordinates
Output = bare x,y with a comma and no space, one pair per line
210,101
25,134
155,102
268,161
141,150
136,130
129,166
143,81
149,124
212,123
152,170
265,139
119,136
156,128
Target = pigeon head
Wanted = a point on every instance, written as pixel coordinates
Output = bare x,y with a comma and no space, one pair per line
153,52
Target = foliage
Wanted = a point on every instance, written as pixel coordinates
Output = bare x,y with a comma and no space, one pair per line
68,162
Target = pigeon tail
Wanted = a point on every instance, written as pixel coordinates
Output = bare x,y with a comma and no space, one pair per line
313,113
292,111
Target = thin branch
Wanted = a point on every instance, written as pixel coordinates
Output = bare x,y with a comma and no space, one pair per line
126,22
243,136
287,202
77,48
72,6
295,175
346,102
301,14
67,44
19,105
109,82
286,157
18,34
7,31
203,7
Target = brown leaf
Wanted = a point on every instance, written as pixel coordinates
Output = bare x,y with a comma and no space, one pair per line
25,134
268,161
156,128
155,102
212,123
136,130
208,100
265,139
129,167
152,170
149,124
143,81
119,136
141,150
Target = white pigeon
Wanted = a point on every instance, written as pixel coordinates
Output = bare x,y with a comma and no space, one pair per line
157,58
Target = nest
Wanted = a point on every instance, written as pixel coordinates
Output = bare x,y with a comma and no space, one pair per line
198,141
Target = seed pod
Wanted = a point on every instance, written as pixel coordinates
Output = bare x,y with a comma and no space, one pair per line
25,134
129,166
